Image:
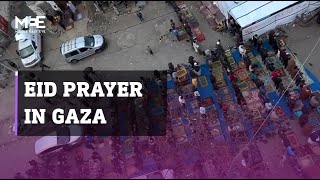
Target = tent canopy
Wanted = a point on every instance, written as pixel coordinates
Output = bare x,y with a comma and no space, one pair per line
248,12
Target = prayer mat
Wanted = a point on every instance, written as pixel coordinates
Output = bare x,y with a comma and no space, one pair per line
227,98
243,85
242,65
241,74
216,64
256,114
224,91
217,69
207,102
293,140
218,76
231,60
303,151
279,112
315,148
306,161
221,84
280,71
203,81
314,122
246,93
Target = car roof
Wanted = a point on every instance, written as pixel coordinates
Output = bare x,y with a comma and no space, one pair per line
24,43
72,45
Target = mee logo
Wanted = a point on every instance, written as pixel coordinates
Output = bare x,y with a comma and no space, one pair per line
30,24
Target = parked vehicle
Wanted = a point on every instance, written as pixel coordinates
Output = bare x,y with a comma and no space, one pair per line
29,48
79,48
56,141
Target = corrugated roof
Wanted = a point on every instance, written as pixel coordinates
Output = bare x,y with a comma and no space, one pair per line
252,11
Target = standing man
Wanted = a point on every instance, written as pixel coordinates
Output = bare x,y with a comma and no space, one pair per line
140,16
255,40
173,25
150,50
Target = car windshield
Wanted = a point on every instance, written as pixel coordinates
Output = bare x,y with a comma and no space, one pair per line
63,136
26,52
89,41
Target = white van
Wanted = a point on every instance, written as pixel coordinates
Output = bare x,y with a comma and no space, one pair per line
29,48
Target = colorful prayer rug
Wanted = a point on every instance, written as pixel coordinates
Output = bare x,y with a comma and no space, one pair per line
306,161
246,93
218,76
243,85
242,65
242,74
216,64
207,102
256,114
203,81
224,91
221,84
227,98
279,112
293,140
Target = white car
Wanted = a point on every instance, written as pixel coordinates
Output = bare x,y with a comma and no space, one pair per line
29,48
56,141
81,47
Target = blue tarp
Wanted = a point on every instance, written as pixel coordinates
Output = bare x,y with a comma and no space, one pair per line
236,55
